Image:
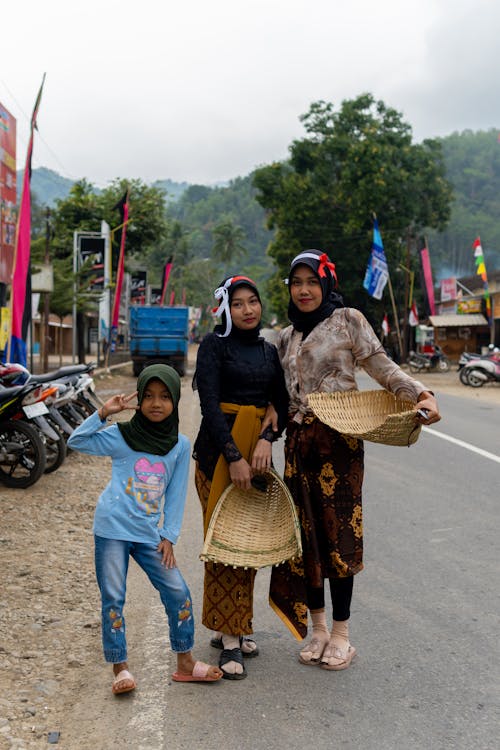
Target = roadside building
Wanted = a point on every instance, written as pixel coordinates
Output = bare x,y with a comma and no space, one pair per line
461,323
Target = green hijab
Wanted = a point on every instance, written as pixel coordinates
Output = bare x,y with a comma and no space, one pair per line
140,433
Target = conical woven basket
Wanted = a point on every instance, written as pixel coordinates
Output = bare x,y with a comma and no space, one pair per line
378,416
254,528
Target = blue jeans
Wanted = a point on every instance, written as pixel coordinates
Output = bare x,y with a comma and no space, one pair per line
111,565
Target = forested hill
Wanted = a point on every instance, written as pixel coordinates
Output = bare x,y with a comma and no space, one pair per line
46,185
49,186
473,167
201,209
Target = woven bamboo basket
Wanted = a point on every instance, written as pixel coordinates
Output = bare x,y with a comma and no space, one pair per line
253,528
378,416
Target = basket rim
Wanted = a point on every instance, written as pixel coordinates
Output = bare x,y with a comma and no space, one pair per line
253,558
391,427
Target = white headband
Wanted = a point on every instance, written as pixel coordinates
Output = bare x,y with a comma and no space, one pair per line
222,294
298,257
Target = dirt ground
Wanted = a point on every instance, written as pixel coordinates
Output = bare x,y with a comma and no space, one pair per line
49,623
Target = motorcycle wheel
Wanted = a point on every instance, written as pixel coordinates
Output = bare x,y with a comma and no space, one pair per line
464,376
444,364
474,381
22,454
56,450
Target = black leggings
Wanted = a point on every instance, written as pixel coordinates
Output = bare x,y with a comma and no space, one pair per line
341,593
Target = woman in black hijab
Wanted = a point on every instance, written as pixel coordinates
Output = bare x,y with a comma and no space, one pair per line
238,376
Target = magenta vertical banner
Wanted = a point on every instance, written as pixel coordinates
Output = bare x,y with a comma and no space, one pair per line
429,285
166,275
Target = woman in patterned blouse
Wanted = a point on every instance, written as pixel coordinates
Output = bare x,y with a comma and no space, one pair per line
324,469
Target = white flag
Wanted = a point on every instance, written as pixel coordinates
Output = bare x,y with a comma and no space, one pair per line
413,318
385,326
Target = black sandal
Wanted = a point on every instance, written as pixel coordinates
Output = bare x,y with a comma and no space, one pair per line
232,654
217,643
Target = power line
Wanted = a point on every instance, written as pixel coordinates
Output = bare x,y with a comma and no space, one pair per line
24,142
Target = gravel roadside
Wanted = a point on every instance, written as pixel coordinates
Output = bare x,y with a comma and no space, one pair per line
49,622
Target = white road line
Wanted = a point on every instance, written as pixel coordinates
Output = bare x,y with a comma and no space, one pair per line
463,444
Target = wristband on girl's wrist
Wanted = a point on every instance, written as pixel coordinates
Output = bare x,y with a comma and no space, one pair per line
100,414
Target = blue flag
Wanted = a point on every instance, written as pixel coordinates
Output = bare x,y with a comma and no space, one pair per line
377,271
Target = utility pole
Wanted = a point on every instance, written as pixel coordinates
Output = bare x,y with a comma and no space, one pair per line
407,296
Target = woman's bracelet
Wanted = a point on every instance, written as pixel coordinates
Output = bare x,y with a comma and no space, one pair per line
100,414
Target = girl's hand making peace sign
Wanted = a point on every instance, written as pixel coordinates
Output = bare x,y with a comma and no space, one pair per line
116,404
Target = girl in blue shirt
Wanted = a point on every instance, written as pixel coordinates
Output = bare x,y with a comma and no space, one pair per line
149,475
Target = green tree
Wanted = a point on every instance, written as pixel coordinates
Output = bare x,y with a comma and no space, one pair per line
473,167
352,163
83,211
228,242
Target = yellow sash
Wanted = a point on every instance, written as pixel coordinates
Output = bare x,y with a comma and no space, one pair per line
245,432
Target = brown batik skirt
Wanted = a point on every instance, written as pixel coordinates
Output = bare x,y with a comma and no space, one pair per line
227,592
324,472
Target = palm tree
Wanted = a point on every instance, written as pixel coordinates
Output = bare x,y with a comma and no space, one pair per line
227,241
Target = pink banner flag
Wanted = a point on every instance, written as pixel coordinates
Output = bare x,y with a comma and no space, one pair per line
166,276
429,286
122,205
20,297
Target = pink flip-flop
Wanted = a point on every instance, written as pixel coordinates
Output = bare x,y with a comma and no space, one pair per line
199,674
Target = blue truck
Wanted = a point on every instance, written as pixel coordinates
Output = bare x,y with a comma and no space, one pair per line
159,334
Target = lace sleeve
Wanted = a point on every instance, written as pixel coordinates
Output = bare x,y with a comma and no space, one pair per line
208,372
231,452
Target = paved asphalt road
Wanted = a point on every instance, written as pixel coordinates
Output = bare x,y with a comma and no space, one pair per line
424,622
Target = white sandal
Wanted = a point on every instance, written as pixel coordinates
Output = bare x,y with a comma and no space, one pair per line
311,654
336,658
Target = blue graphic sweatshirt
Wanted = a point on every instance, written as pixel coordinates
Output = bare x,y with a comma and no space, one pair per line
142,485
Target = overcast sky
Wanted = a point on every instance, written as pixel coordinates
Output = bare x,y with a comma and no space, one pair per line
206,90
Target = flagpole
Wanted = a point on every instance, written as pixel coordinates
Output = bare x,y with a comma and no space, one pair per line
374,282
395,313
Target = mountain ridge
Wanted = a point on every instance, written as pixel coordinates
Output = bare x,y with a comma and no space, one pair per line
48,186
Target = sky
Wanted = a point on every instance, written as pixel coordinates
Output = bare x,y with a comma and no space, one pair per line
204,92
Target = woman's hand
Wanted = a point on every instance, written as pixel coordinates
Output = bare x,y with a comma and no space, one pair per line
427,401
116,404
167,553
262,455
270,418
240,473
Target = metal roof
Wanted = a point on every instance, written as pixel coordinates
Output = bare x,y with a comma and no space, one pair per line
466,320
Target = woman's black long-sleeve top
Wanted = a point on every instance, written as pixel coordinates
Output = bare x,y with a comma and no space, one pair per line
238,370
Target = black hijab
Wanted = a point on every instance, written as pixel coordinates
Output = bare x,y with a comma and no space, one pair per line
140,433
321,265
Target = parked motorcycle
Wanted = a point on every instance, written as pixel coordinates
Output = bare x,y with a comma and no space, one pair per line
72,398
477,372
418,361
23,455
466,357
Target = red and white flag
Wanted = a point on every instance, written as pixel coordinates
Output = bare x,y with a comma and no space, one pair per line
385,326
413,317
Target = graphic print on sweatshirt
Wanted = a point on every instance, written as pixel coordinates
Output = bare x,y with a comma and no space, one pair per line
148,485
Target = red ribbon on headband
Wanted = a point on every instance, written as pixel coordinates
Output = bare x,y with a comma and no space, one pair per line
324,260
